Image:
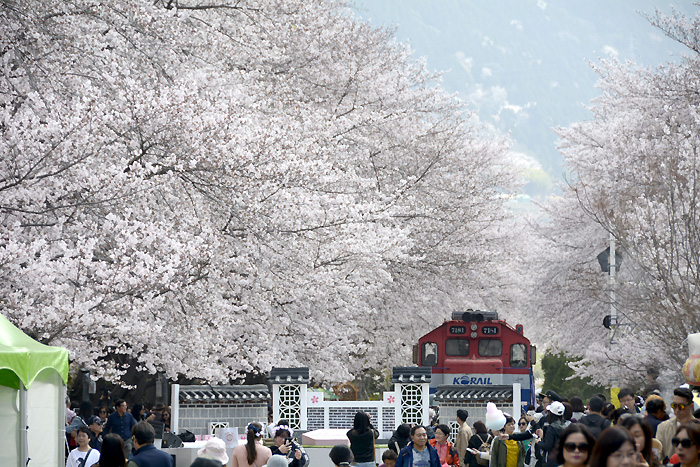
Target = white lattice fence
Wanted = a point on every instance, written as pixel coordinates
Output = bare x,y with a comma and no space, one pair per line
412,404
290,404
308,410
454,430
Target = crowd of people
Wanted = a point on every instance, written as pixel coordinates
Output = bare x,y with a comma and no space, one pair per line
114,436
284,452
557,432
561,432
125,438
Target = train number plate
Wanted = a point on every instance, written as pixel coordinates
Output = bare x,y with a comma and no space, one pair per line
458,329
489,330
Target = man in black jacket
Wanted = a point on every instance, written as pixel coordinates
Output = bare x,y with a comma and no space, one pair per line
594,421
146,454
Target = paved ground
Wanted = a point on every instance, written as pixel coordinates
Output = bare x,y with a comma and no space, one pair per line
318,456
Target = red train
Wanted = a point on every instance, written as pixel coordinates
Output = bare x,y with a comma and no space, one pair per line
476,348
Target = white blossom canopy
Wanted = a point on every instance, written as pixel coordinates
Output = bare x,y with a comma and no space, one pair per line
211,189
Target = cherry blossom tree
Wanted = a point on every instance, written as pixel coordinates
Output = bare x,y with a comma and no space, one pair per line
634,176
209,190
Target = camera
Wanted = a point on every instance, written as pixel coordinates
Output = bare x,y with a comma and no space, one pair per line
293,445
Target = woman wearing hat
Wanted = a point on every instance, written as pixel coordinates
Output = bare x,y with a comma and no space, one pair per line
552,434
212,454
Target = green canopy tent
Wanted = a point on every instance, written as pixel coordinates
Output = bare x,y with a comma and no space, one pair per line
33,380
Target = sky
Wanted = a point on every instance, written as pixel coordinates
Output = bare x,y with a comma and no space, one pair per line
524,66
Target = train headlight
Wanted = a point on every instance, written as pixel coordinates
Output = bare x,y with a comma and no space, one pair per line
473,335
474,326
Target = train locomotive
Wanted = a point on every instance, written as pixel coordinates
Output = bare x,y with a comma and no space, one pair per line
475,348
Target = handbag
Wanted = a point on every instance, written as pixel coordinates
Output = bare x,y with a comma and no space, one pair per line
82,461
186,436
171,440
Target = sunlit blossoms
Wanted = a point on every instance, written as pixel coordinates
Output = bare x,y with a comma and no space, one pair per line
212,190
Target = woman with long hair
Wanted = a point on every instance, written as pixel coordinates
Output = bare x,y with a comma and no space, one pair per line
556,427
640,430
481,437
578,409
522,427
614,448
138,411
112,452
575,445
253,454
165,416
362,437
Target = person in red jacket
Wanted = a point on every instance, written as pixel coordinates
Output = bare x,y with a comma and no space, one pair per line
445,449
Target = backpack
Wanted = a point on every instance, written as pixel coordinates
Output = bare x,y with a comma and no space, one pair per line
485,447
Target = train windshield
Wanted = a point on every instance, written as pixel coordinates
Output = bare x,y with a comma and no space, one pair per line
429,354
457,347
518,355
490,347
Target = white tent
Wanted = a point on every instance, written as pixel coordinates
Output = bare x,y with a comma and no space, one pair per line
33,380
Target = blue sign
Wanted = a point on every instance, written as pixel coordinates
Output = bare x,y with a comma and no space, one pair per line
466,379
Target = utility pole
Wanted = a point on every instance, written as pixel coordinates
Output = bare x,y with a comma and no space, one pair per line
613,310
609,263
